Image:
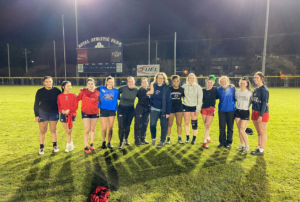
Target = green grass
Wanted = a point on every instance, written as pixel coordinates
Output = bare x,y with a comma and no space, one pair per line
144,173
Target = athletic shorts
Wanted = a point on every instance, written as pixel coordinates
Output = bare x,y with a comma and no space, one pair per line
242,114
63,118
189,109
208,111
89,116
176,108
255,115
48,116
107,113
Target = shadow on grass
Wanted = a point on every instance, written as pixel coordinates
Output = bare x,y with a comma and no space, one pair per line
39,183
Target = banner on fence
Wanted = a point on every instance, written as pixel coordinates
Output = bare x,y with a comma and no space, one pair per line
147,70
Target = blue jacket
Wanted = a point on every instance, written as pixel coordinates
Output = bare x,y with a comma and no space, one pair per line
227,99
108,98
161,98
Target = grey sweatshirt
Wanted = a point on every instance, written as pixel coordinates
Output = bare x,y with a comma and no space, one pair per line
193,96
243,99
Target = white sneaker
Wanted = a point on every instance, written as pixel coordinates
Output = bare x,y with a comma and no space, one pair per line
41,151
71,147
67,149
246,149
55,149
240,148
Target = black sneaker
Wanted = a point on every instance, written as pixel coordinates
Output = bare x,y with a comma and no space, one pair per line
257,153
220,145
228,145
109,145
187,139
169,141
193,142
121,145
180,141
127,142
145,142
103,145
139,143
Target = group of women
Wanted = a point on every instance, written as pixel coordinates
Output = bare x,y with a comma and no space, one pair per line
159,102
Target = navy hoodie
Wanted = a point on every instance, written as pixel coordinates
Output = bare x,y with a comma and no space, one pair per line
161,98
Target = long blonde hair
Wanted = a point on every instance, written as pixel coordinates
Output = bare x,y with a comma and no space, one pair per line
164,75
224,77
191,74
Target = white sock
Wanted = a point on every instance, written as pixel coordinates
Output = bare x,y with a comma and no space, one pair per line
204,141
261,150
208,138
68,144
71,143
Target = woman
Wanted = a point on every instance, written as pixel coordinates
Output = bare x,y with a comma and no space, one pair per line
46,112
260,112
177,93
108,105
67,105
210,95
142,114
226,111
243,98
89,112
191,106
126,109
161,104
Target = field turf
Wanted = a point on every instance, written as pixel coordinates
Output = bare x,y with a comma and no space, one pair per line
145,173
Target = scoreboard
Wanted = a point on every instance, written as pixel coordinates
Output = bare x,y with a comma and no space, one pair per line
100,59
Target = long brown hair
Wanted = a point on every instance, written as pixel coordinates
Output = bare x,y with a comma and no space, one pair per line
262,76
244,78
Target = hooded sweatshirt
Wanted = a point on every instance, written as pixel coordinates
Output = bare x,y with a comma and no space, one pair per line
193,96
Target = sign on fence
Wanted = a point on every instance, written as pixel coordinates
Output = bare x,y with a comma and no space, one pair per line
147,70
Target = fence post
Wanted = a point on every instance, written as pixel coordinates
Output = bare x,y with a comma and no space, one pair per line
2,81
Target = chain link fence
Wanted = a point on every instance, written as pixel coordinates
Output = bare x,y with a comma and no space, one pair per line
271,81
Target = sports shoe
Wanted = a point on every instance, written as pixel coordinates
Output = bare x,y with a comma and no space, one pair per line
153,142
92,148
121,145
145,142
208,141
67,149
87,150
246,149
193,142
139,143
103,145
257,153
180,141
187,139
41,151
109,145
169,141
71,147
240,148
127,142
161,144
205,145
55,149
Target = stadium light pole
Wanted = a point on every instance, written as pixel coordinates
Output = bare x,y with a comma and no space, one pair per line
63,28
175,36
149,47
266,38
77,74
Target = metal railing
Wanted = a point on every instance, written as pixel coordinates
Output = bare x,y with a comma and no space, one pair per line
271,81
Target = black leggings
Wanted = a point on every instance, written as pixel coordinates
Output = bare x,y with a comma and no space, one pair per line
141,122
125,116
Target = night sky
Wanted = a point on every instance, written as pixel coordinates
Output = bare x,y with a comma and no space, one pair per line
39,21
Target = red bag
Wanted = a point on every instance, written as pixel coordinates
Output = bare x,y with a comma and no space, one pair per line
100,194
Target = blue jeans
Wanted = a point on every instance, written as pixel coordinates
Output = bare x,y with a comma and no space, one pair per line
154,116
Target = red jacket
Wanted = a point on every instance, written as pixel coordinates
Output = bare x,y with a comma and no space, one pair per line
67,101
89,99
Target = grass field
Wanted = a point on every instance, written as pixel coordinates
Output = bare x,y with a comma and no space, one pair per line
145,173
